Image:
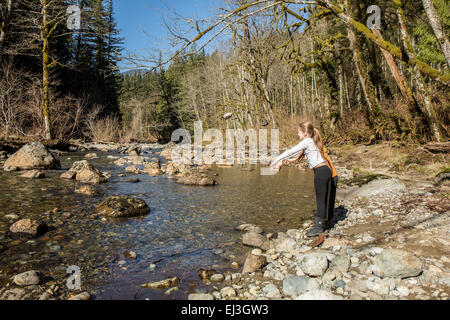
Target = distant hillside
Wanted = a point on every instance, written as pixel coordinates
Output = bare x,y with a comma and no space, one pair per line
134,71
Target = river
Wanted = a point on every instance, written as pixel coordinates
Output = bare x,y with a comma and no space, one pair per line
188,228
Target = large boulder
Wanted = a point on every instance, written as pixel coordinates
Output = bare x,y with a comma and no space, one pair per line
32,156
84,172
395,263
120,206
28,226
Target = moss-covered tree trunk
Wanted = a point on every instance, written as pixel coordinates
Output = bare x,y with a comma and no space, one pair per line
437,28
425,93
442,76
45,70
366,86
401,82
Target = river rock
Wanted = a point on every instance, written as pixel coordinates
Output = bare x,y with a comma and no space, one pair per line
318,294
296,285
163,284
172,168
250,228
331,242
85,172
69,175
133,150
153,168
28,226
254,239
285,244
197,179
314,264
120,206
341,262
228,292
395,263
200,296
167,153
33,174
205,274
120,162
32,156
91,156
271,291
130,255
331,276
13,294
28,278
81,296
133,169
218,277
357,286
253,263
87,190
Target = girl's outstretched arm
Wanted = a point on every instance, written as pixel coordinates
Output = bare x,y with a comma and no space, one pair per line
296,152
296,158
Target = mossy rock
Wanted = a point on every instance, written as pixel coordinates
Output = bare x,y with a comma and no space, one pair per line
362,180
123,207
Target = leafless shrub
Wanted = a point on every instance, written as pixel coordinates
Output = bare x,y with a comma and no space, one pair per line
107,129
12,97
67,113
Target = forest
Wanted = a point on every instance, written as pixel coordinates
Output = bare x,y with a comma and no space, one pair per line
56,83
281,62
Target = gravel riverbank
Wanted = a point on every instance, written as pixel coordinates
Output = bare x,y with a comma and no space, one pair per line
391,242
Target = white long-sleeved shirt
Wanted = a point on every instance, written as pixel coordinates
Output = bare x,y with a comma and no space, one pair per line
311,152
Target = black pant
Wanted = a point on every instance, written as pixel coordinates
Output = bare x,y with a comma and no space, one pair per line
325,187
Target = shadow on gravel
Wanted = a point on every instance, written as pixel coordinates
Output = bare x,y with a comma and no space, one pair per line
340,213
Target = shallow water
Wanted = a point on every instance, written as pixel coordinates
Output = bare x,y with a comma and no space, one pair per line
188,228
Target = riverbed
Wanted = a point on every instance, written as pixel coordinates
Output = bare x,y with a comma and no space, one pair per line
188,228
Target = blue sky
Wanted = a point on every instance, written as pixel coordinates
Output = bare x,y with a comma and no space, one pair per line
135,16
